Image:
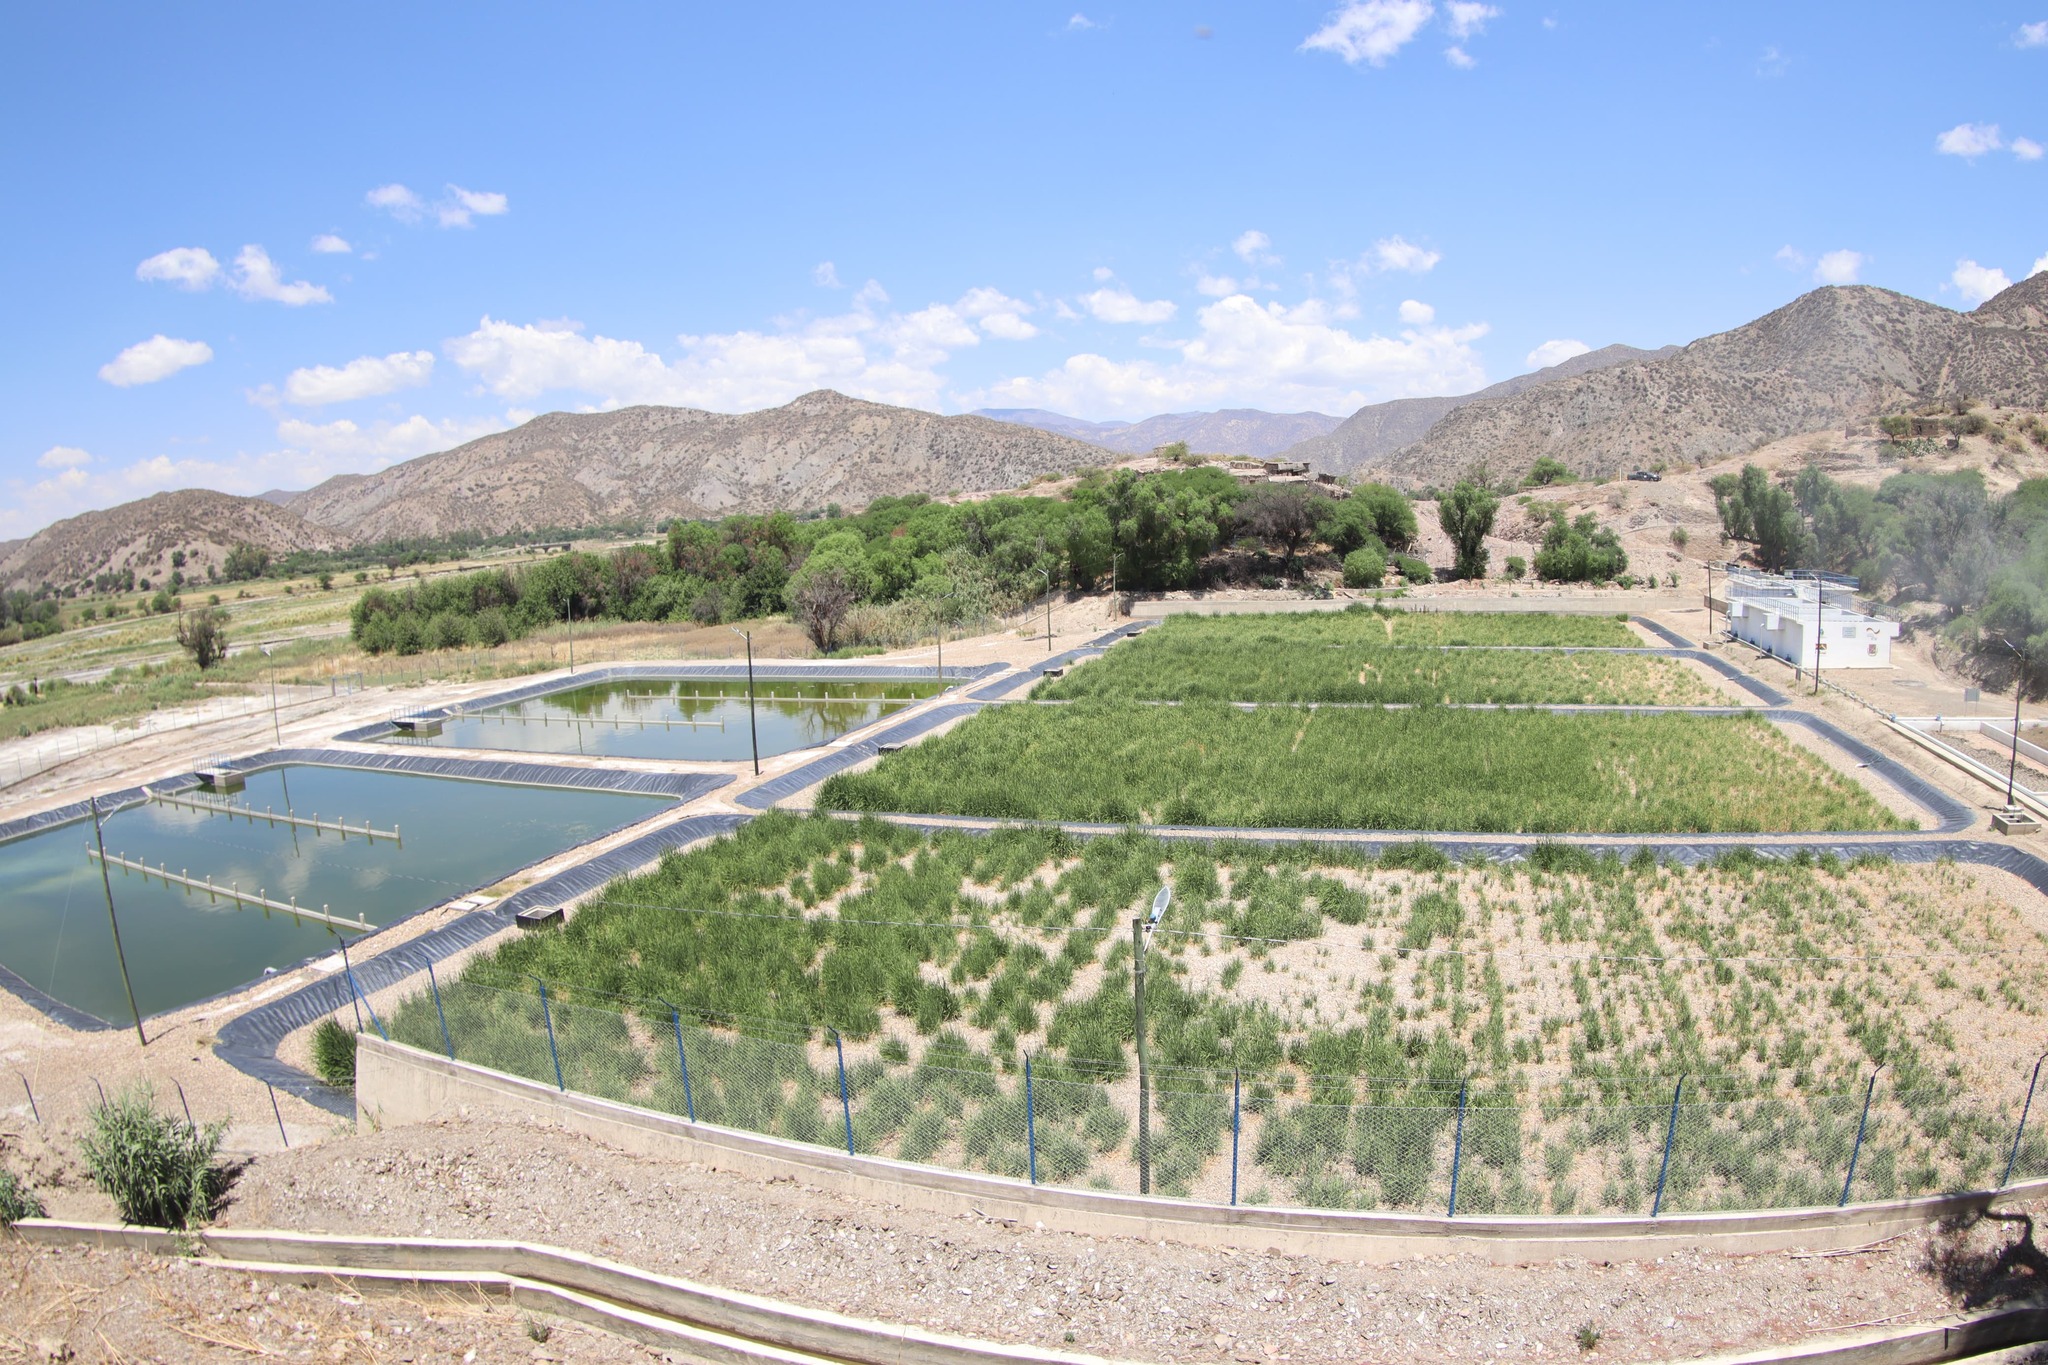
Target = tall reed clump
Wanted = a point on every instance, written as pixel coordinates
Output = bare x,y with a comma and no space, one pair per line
334,1054
17,1200
158,1170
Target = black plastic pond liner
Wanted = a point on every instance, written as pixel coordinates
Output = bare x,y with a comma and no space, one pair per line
773,671
998,690
818,769
249,1042
1950,815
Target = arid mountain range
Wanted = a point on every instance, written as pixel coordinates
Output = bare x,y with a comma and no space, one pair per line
1833,357
1232,431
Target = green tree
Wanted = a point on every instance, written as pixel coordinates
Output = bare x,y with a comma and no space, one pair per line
1466,514
1393,515
246,561
1365,567
204,635
1581,551
1547,471
1282,515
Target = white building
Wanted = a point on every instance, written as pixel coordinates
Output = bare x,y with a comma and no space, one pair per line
1781,614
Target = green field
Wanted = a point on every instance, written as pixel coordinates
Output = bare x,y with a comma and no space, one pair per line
1432,768
1375,657
1352,993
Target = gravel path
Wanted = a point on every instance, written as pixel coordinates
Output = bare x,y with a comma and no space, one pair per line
489,1177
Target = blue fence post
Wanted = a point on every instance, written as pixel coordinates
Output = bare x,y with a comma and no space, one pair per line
31,1099
351,971
2021,1132
1857,1150
1670,1139
440,1013
675,1016
1457,1150
1030,1120
547,1018
1236,1115
845,1103
356,990
277,1114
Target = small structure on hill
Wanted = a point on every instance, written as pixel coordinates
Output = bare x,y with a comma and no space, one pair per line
1788,615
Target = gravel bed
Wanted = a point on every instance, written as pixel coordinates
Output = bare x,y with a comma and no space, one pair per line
1003,1281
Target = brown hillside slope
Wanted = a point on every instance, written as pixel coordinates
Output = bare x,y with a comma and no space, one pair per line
1836,355
1380,429
647,463
140,535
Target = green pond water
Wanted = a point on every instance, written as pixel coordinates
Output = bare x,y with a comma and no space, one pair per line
456,835
685,718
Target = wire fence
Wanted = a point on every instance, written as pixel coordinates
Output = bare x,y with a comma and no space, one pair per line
1433,1146
66,1107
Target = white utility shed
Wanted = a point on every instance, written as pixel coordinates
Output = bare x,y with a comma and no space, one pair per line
1782,614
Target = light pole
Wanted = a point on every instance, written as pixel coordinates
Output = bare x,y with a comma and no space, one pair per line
1140,931
1115,603
752,730
1820,630
2019,684
941,624
1046,574
276,735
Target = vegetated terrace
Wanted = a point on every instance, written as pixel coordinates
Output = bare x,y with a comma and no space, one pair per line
1432,768
1383,656
1352,994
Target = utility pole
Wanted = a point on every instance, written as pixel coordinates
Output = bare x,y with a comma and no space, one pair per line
107,885
1820,630
752,729
1115,603
943,597
276,734
1046,574
1140,928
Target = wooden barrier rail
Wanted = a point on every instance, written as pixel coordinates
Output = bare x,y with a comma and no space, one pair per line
252,815
232,891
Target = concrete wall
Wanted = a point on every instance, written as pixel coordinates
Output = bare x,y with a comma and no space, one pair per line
397,1085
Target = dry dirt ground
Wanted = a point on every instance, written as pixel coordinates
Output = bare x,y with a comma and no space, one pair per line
505,1178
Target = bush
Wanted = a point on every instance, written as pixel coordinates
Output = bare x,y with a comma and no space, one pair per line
1581,551
1415,570
1679,537
1547,471
158,1170
1514,568
334,1054
1365,568
17,1200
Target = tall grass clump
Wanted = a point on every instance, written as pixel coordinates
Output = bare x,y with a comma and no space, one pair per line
158,1170
334,1054
17,1200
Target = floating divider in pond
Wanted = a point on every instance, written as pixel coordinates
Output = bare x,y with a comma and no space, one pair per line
232,891
271,817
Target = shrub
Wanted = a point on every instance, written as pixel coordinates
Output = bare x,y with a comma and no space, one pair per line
334,1054
1514,568
17,1200
1581,551
158,1170
1547,471
1679,537
1415,570
1365,567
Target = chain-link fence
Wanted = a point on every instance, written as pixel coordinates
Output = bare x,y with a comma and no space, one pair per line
1633,1147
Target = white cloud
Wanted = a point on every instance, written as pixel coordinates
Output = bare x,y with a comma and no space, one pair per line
1370,31
1266,355
1978,282
1555,353
1215,286
365,377
1969,140
1416,313
188,267
63,457
160,357
327,244
1397,253
345,446
2032,35
398,201
1839,267
1254,247
1080,23
826,276
1460,58
1121,305
997,314
1103,274
2040,267
257,277
461,204
1791,257
1468,18
2026,149
1771,64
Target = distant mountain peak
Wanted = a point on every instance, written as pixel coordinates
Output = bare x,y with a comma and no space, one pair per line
1228,431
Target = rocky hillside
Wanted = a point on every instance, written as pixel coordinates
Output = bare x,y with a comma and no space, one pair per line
141,536
649,463
1379,429
1231,431
1830,358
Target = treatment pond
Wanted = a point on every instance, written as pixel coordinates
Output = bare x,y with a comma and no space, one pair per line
687,718
187,944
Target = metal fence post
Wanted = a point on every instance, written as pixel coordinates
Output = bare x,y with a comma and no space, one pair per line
547,1018
2019,1133
1670,1138
277,1114
1236,1117
186,1105
1457,1150
683,1061
1857,1150
347,968
37,1113
440,1013
1030,1121
356,990
845,1103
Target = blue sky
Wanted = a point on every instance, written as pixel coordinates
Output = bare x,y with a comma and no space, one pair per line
254,246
